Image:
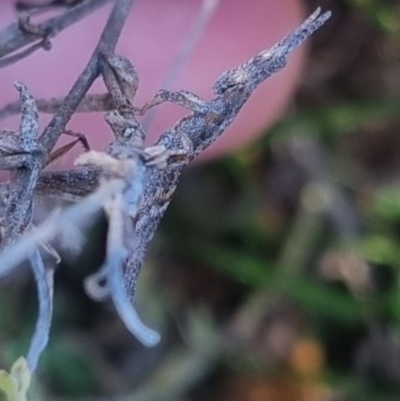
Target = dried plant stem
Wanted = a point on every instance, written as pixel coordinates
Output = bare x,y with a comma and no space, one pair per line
44,284
13,38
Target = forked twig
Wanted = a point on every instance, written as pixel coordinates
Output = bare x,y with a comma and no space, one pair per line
13,38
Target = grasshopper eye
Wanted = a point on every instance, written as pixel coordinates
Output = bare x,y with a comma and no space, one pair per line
230,80
224,83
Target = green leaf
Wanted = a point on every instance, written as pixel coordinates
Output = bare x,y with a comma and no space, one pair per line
15,384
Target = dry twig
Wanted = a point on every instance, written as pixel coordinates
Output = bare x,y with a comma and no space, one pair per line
14,38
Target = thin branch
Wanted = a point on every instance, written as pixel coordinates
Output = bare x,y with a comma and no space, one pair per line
70,184
40,7
13,38
107,42
90,103
14,58
115,23
44,284
24,177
